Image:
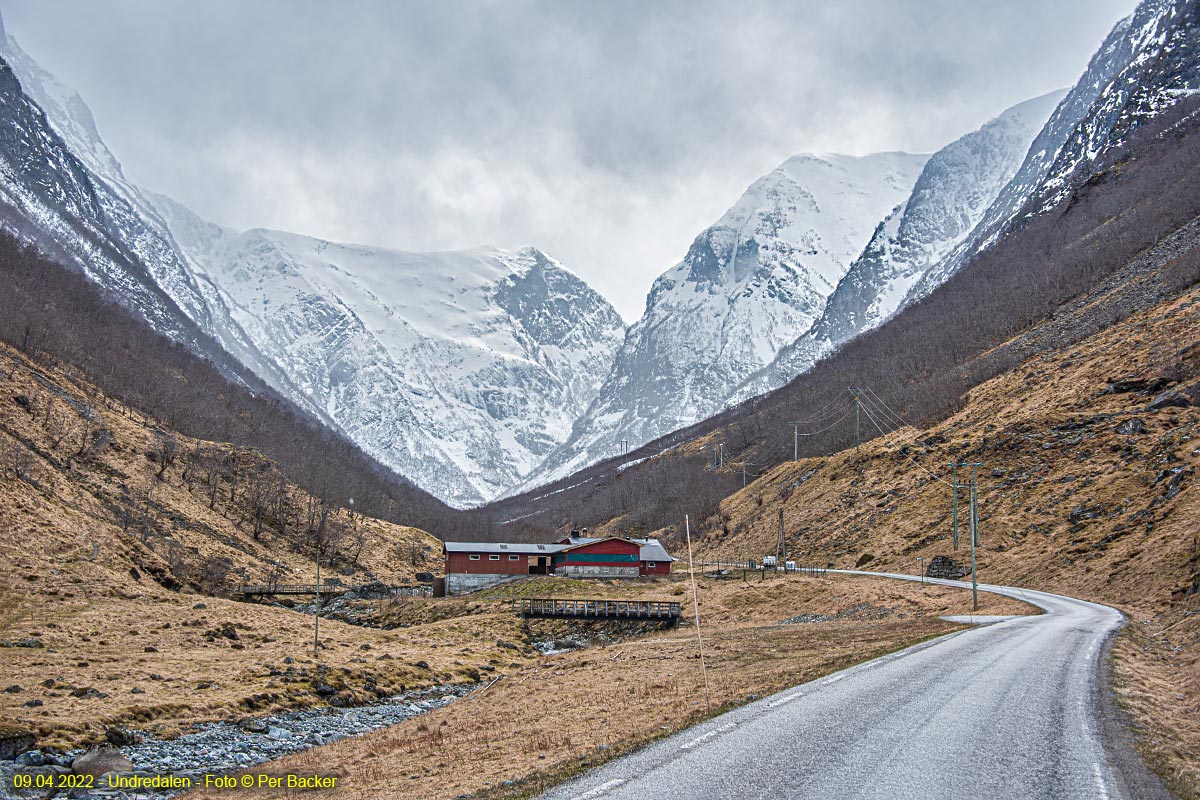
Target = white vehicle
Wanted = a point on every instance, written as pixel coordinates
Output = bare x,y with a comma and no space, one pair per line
790,566
770,561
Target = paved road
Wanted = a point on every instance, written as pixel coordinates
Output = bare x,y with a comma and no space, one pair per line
1003,711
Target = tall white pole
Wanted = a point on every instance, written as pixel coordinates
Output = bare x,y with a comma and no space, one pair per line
687,525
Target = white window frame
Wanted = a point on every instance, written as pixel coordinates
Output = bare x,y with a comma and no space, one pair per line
474,557
494,557
650,565
513,557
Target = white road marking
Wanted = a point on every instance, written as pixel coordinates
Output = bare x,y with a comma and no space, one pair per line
834,679
599,790
783,700
1101,785
705,737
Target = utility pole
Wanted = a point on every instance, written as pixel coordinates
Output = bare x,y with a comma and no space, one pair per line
854,392
720,455
955,482
317,610
781,548
625,445
974,519
687,525
922,560
974,568
795,441
975,503
743,476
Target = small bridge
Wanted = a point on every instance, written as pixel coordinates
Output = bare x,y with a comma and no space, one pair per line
327,589
247,589
597,609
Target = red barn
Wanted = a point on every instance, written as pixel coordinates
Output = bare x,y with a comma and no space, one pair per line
477,565
600,558
653,558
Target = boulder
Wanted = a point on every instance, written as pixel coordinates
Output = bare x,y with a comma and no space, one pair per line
251,725
1081,513
1169,399
1132,426
121,737
945,567
100,760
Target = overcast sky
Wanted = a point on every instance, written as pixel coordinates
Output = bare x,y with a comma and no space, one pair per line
607,133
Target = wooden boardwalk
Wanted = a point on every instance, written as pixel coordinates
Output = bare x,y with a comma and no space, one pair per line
597,609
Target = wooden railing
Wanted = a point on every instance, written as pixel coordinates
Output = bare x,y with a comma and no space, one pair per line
291,588
753,566
597,609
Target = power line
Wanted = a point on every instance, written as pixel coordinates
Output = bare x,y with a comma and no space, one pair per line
824,415
903,422
884,414
817,414
874,422
912,436
830,426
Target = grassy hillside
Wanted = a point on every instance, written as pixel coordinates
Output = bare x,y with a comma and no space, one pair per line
118,540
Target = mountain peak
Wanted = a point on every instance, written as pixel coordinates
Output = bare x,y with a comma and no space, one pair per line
749,284
954,190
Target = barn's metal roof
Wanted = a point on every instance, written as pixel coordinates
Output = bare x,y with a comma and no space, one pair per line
498,547
651,549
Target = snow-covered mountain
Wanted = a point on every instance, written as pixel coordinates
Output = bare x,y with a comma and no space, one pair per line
1113,55
1147,62
61,188
478,373
461,371
956,188
1160,66
749,285
51,195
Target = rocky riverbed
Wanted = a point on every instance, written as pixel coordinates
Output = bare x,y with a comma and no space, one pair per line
220,747
553,636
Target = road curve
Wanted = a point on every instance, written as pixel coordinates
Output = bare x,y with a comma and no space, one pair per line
1003,711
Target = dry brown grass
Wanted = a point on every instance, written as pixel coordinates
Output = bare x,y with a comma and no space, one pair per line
542,722
95,645
74,576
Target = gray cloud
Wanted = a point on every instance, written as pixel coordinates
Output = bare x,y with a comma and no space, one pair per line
607,133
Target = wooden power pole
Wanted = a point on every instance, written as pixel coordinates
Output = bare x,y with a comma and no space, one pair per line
781,548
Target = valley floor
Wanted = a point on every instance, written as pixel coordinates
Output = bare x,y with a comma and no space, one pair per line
535,725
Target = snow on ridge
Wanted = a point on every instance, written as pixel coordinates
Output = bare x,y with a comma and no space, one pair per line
750,284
